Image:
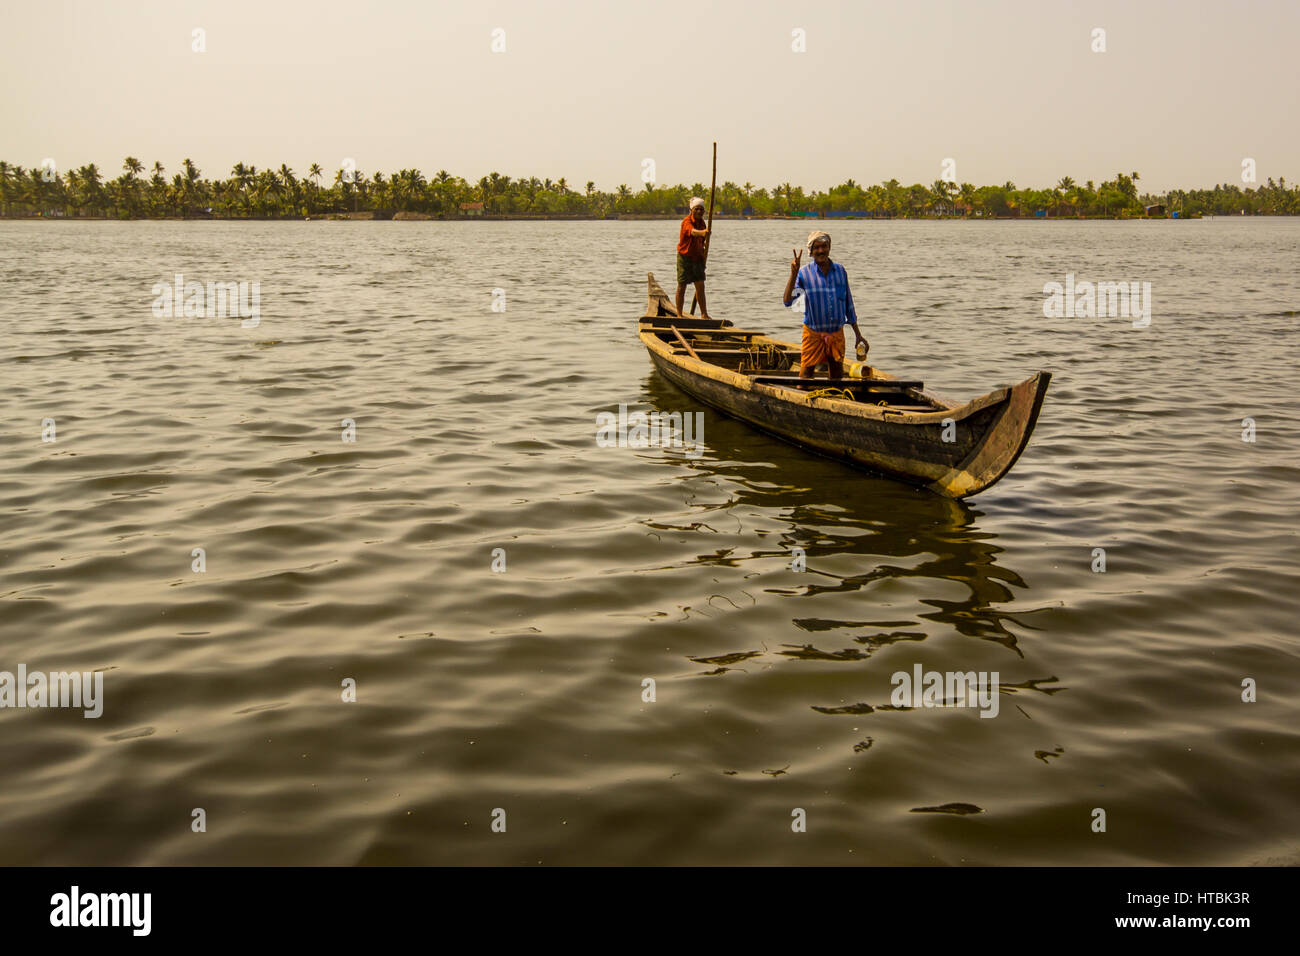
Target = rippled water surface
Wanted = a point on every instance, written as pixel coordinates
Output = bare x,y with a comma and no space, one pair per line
522,690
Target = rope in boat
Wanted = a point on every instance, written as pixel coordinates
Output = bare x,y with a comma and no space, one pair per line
833,393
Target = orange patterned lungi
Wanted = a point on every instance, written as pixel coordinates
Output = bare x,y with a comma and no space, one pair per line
820,347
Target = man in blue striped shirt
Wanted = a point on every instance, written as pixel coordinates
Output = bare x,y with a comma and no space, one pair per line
827,307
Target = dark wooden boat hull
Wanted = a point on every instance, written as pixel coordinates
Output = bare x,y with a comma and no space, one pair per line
987,434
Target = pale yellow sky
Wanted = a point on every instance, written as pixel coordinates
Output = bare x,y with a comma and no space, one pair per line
1008,89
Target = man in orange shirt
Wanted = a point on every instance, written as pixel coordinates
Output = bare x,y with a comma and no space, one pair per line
690,256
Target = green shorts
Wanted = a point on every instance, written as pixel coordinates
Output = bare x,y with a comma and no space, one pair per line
689,270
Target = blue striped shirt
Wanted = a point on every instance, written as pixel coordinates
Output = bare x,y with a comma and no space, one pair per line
827,301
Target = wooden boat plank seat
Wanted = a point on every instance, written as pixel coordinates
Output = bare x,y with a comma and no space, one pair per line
687,322
730,341
734,347
665,325
797,382
726,333
719,353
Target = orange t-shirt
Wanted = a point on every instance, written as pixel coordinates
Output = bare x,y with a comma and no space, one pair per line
690,246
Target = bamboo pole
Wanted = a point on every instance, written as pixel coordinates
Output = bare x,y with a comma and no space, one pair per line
712,189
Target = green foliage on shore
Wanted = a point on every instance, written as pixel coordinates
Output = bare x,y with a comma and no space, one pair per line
249,192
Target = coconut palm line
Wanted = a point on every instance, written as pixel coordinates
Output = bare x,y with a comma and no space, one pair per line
249,192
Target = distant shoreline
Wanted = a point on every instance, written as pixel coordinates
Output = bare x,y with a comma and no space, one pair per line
407,194
632,217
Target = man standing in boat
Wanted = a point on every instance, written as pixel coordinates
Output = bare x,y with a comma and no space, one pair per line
827,307
690,255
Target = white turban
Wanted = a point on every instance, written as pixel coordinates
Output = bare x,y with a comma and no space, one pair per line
814,236
697,201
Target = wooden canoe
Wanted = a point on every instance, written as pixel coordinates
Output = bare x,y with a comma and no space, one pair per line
890,426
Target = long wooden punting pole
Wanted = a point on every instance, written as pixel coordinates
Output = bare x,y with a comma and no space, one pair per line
686,345
712,189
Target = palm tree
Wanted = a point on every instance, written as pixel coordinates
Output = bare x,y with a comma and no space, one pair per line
410,186
271,191
383,191
92,188
176,193
130,191
76,193
941,190
895,197
875,200
787,189
968,198
350,180
314,173
290,185
359,181
32,189
157,188
6,185
240,176
189,186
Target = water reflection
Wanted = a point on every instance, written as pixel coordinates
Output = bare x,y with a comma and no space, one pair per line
832,512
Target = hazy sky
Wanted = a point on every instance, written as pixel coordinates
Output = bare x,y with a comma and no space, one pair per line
1009,89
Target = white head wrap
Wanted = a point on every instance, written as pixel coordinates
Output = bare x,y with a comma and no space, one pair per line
697,201
814,236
